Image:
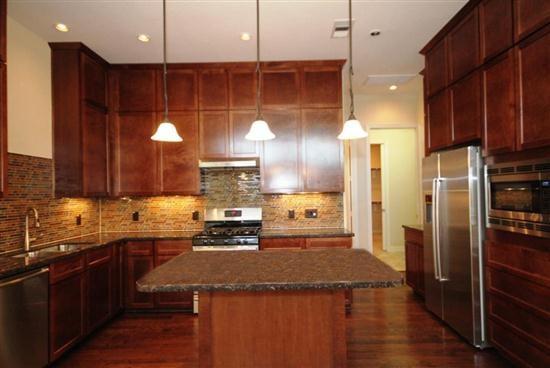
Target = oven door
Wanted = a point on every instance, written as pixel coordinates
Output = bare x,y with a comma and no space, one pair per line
519,197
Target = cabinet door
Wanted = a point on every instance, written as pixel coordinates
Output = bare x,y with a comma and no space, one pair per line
463,43
436,68
411,265
135,171
175,300
138,266
280,88
466,109
182,90
136,90
280,157
94,81
94,151
282,243
239,125
530,15
496,27
439,125
3,132
499,124
67,323
318,243
533,78
117,286
322,153
322,87
179,164
420,269
242,89
214,134
99,293
213,94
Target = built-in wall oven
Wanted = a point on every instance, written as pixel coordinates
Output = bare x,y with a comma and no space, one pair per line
518,197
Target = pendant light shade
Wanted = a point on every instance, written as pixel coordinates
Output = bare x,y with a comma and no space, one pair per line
259,130
352,127
166,131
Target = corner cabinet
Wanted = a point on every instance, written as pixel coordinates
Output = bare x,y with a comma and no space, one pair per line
80,123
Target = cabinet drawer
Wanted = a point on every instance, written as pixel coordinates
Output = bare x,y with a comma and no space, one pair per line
282,243
173,247
523,260
66,268
140,248
101,255
328,242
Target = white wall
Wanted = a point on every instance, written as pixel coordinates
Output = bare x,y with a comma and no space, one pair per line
29,92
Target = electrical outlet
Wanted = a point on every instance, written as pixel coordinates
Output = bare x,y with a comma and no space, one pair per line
135,216
311,213
291,214
79,220
196,215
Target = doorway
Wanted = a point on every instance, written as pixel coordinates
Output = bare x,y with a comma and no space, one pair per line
376,198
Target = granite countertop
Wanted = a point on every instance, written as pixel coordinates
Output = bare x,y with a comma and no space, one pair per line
283,270
415,227
305,233
10,266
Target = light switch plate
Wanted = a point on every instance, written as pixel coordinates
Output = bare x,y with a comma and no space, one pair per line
311,213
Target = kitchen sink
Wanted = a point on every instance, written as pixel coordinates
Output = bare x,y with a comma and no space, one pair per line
29,254
48,251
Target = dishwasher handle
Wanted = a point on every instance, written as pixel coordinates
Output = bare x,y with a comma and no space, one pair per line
24,277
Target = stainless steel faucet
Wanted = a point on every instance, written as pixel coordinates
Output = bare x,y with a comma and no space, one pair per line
28,239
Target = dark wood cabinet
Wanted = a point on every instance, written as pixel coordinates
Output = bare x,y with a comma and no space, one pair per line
3,130
239,125
214,134
466,118
134,89
135,154
182,89
529,16
3,30
463,44
179,161
80,124
322,154
67,305
99,286
499,123
166,250
496,27
281,88
280,158
140,261
117,279
282,244
436,72
533,90
213,91
242,88
321,87
438,121
414,259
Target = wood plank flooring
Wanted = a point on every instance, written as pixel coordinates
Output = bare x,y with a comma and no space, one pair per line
386,328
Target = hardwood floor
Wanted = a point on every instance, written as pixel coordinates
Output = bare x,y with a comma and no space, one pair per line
386,328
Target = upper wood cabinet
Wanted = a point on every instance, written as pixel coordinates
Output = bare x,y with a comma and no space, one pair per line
436,68
322,153
80,124
322,87
242,88
463,44
529,16
182,89
213,91
179,171
280,158
214,134
3,31
466,109
533,81
239,124
438,121
496,27
134,89
281,88
499,105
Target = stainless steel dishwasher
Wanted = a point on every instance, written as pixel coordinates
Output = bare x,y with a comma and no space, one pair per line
24,320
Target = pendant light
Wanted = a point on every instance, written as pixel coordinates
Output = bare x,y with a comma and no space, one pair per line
352,127
259,130
166,131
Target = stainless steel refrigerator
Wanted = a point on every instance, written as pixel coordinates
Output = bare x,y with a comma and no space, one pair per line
453,238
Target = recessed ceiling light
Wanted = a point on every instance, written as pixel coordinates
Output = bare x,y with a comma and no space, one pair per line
375,32
245,36
62,27
144,38
393,87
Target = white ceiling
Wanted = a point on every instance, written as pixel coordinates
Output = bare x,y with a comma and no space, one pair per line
206,31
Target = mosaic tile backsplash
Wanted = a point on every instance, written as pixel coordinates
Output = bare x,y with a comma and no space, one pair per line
30,184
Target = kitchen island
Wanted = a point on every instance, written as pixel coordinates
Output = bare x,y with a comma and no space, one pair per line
271,309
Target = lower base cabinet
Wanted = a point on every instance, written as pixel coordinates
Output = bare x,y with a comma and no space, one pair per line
414,259
99,281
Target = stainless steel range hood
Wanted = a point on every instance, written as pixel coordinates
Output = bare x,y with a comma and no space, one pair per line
228,164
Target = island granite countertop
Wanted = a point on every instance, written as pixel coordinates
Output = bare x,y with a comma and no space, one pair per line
260,271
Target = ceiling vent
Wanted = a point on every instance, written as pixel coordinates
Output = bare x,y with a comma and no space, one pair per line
388,79
340,28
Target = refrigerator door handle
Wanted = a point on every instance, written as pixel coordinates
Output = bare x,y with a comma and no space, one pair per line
439,267
435,227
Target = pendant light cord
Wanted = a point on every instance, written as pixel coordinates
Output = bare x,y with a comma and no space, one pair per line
352,105
258,68
165,73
